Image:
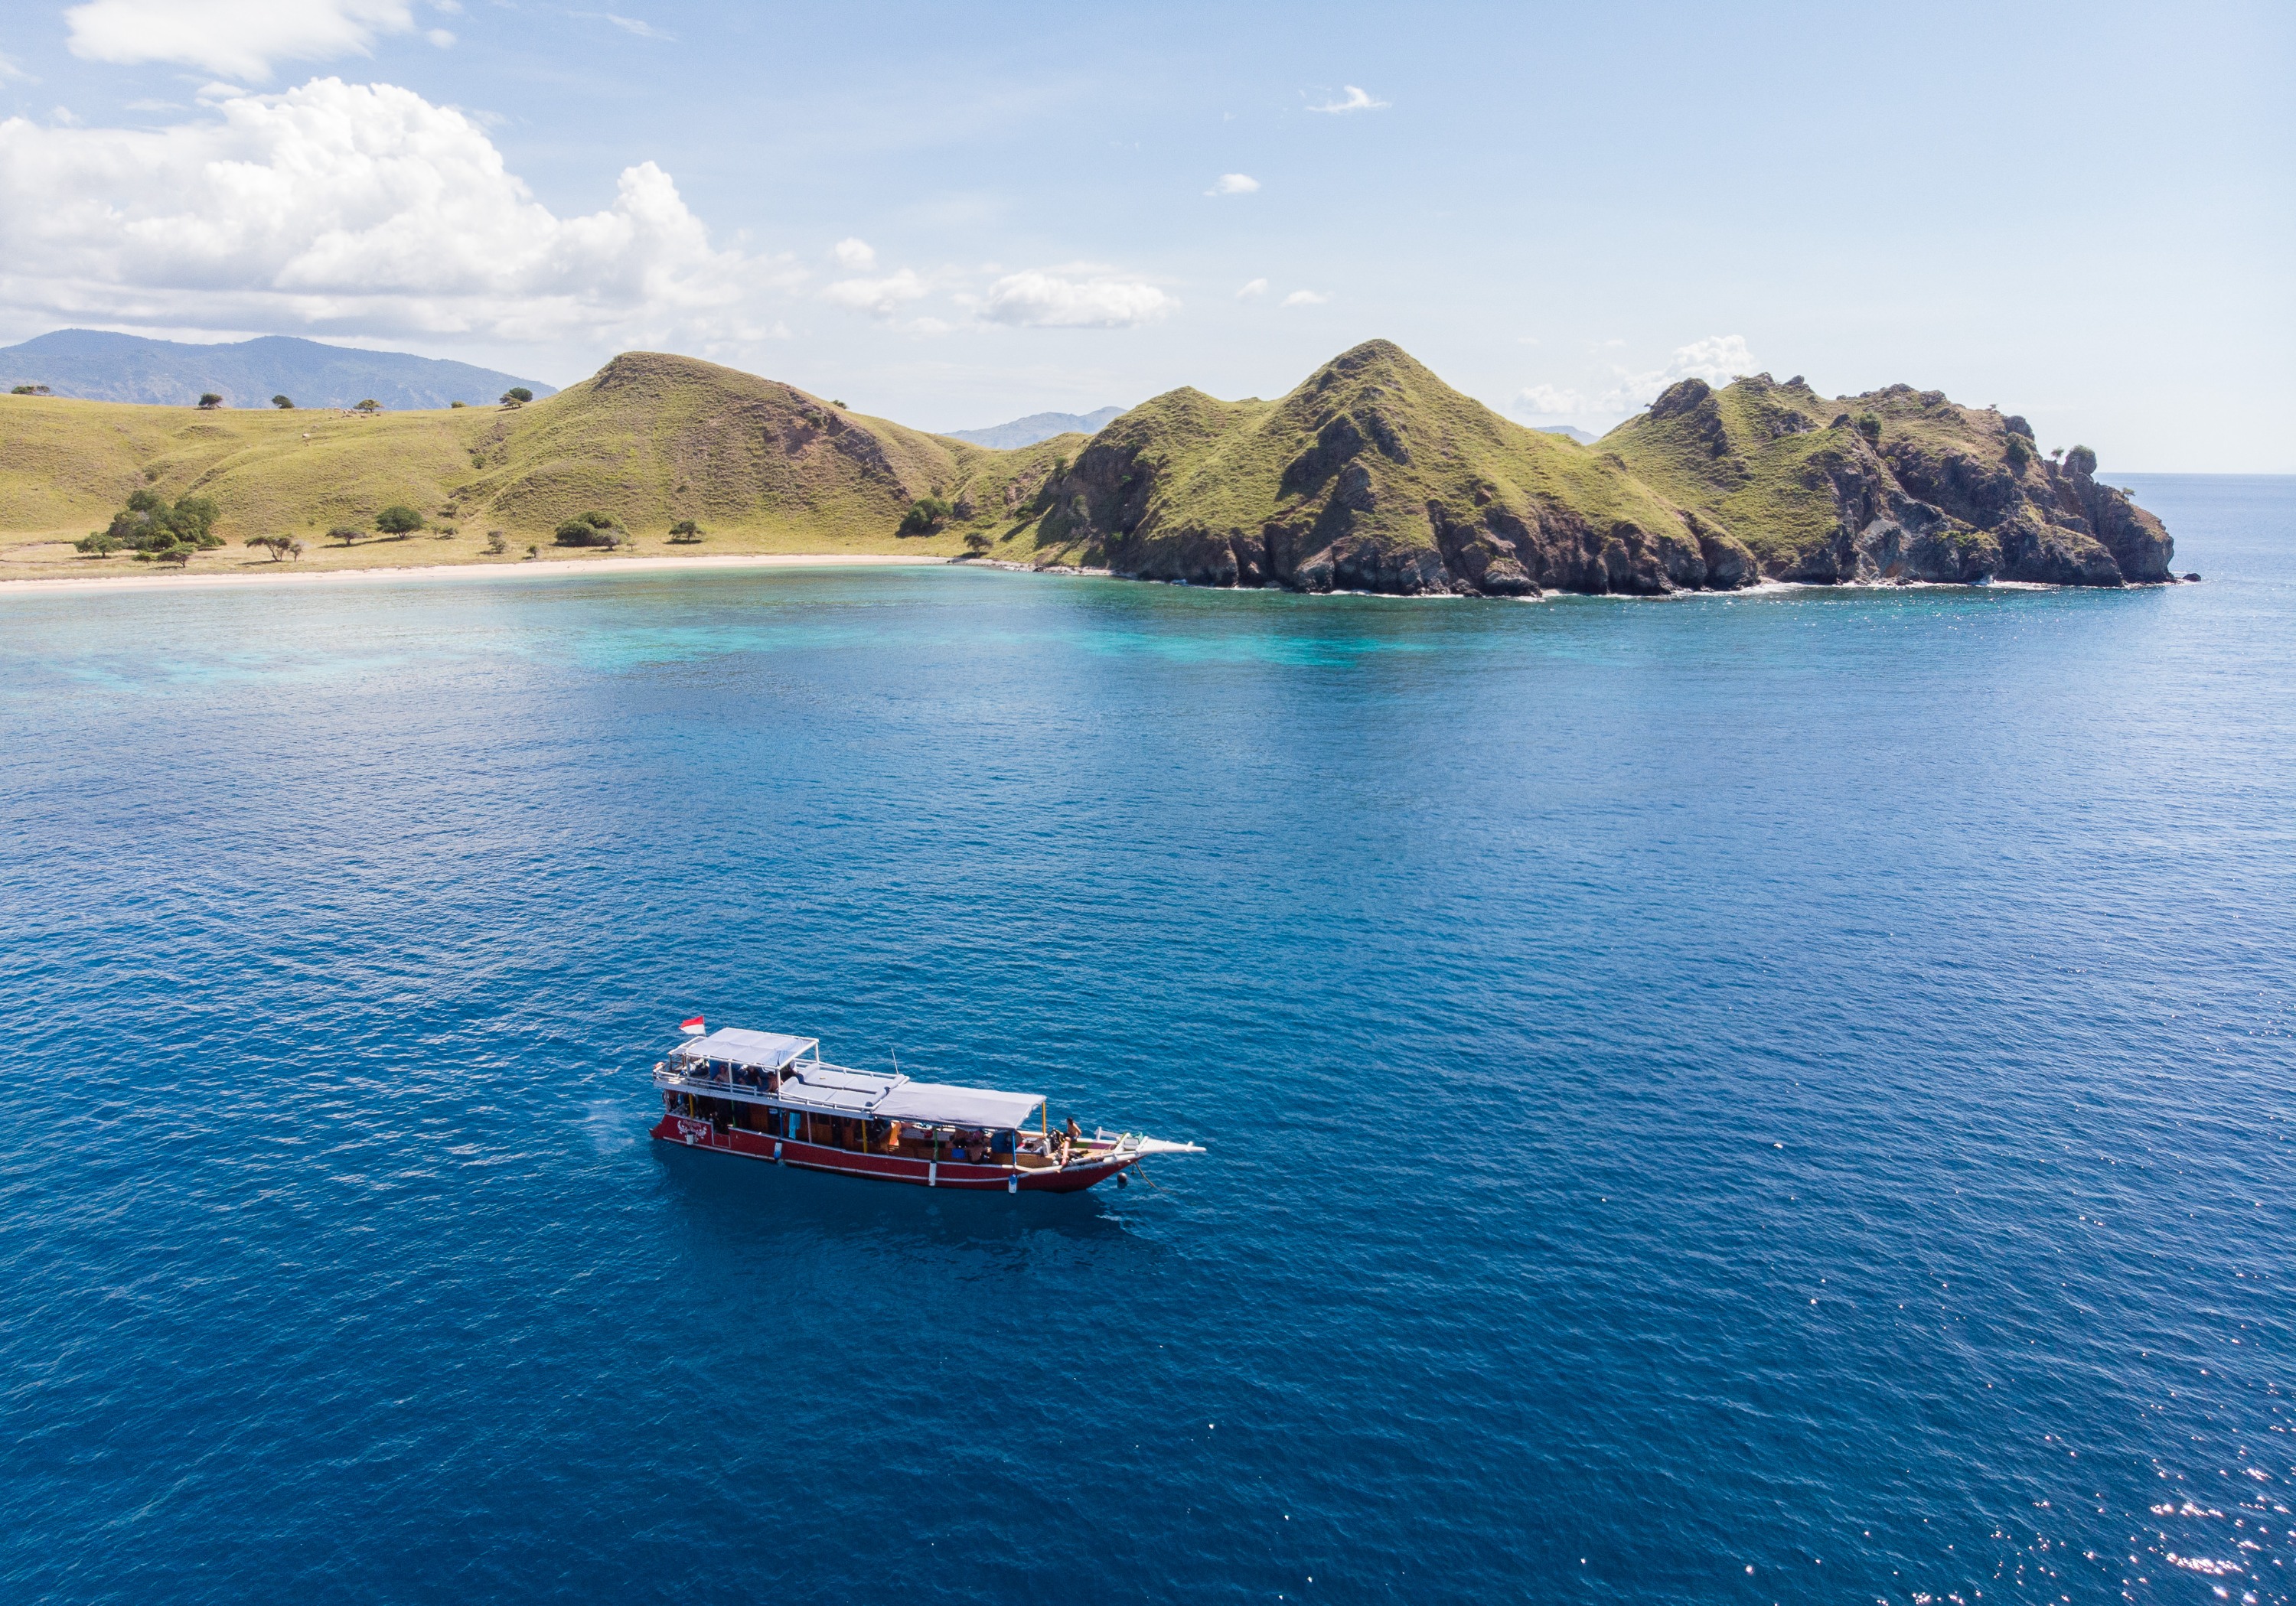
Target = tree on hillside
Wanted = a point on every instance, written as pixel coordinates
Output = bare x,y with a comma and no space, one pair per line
398,519
345,533
31,391
925,516
517,396
210,401
593,528
156,532
284,403
685,532
279,546
369,406
976,542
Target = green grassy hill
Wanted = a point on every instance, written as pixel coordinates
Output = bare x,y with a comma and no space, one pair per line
650,440
1372,475
1895,484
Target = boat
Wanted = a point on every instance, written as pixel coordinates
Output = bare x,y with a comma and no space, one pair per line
769,1096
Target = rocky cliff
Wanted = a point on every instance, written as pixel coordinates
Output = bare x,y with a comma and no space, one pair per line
1373,475
1895,484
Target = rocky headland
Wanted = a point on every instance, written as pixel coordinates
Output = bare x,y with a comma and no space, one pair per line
1373,475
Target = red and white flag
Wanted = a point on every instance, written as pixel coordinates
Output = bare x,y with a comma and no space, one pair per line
691,1027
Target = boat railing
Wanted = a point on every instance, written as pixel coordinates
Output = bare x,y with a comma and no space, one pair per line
666,1075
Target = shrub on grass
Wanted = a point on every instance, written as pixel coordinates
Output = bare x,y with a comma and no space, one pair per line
152,529
925,516
591,529
284,403
398,519
685,532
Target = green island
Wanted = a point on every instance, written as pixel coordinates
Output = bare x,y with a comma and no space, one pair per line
1372,475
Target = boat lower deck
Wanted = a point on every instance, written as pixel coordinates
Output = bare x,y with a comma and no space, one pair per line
1034,1173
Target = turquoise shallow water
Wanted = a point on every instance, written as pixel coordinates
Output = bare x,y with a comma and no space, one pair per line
1782,1098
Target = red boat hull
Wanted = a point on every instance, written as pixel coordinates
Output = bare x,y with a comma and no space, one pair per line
691,1132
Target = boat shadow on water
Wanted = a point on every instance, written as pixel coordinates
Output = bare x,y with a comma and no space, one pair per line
738,1201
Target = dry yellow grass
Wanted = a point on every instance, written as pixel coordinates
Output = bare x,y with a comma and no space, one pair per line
651,439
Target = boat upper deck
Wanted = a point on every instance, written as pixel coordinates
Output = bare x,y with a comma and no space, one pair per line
767,1067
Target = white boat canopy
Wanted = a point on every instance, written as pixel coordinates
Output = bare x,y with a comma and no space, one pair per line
767,1050
835,1090
939,1104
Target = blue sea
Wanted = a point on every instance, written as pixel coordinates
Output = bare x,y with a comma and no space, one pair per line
1785,1097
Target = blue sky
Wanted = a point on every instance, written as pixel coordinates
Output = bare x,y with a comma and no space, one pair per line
951,216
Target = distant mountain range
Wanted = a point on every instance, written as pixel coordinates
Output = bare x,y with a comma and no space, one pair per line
101,366
1038,426
1572,431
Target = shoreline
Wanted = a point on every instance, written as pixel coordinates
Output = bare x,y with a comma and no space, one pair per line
150,581
143,580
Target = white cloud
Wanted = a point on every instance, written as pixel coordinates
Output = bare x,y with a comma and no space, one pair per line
1306,298
1717,359
241,37
628,25
1551,401
9,69
855,256
1258,287
440,37
1234,184
354,208
1354,100
1040,299
879,298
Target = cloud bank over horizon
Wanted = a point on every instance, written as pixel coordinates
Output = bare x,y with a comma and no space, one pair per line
356,209
365,211
952,215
